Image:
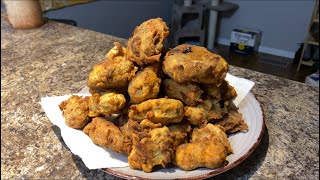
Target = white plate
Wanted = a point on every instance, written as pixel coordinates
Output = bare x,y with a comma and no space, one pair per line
243,144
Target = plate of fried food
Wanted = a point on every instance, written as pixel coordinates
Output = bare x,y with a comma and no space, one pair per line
171,112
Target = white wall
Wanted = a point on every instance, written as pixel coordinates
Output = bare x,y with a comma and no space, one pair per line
284,23
115,17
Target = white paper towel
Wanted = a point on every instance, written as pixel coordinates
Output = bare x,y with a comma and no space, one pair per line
96,157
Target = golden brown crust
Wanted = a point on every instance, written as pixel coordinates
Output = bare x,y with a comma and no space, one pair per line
179,133
210,132
189,93
162,110
75,111
146,43
227,91
113,73
145,85
187,63
156,149
117,52
204,112
105,104
233,122
224,92
104,133
208,147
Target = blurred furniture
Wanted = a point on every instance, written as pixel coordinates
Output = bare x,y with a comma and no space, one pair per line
215,7
195,23
311,38
187,24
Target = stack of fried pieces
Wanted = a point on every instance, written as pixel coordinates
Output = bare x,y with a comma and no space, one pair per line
159,106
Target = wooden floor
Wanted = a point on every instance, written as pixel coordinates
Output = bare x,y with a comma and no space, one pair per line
266,63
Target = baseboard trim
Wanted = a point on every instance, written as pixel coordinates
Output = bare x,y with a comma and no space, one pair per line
263,49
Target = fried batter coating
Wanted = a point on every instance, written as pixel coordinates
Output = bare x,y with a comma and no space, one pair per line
106,103
162,110
227,91
75,111
188,63
224,92
204,112
112,73
104,133
145,85
189,93
179,133
233,122
208,147
117,52
155,149
146,43
209,154
146,124
209,132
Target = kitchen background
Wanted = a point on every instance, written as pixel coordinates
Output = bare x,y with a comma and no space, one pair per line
283,23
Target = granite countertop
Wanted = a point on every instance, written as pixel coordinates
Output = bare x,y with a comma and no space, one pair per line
55,59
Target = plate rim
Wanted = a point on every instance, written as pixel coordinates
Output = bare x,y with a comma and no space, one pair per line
212,173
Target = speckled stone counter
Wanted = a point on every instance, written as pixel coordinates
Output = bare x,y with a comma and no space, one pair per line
56,59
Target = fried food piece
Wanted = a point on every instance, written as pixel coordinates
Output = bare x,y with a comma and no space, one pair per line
189,93
233,122
227,91
146,43
179,133
105,104
146,124
210,132
162,110
224,92
209,154
204,112
117,52
75,111
145,85
208,147
104,133
114,73
187,63
213,91
155,149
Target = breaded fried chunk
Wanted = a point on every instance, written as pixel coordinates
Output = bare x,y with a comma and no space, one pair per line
75,111
145,85
208,147
113,73
189,93
162,110
155,149
105,103
104,133
204,112
233,122
188,63
146,43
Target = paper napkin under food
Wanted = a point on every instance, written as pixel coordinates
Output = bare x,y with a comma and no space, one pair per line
96,157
